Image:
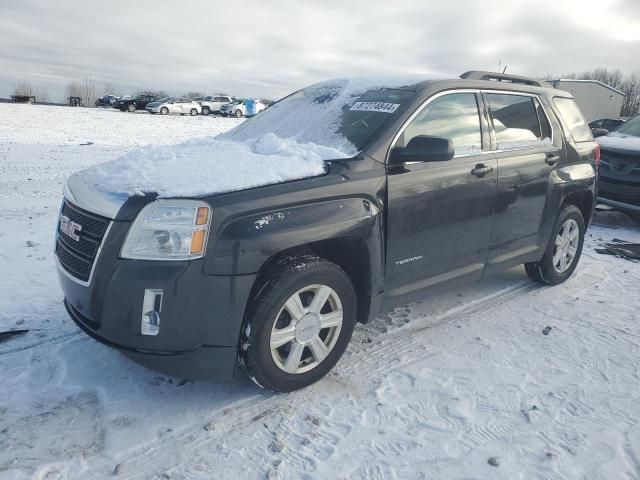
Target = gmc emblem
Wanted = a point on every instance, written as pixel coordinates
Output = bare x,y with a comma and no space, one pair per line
70,228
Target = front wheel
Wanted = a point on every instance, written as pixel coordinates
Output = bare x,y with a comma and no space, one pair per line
561,257
206,110
299,325
131,108
238,113
164,110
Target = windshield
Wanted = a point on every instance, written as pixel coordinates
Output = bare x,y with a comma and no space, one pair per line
342,114
631,127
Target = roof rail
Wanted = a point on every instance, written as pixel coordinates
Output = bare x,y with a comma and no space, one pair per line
503,77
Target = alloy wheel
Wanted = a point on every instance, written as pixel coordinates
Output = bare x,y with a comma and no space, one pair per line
566,245
306,329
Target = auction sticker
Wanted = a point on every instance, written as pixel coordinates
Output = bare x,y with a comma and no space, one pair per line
374,107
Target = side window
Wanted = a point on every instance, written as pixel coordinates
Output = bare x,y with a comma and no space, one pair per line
455,117
218,99
574,119
515,121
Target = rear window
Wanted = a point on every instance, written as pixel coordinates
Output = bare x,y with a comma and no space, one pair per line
573,118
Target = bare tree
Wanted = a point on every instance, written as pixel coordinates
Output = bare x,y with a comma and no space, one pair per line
73,89
89,92
23,88
193,95
42,94
151,91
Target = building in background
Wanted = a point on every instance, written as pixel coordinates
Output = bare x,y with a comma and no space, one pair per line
595,99
23,99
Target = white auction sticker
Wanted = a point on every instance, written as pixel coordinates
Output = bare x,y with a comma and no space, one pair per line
374,107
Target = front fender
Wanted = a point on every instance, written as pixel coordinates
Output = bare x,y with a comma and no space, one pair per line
245,243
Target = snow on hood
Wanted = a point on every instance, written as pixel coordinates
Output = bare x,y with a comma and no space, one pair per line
209,166
619,141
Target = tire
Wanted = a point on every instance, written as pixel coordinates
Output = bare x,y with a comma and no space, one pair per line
237,113
193,112
206,110
164,111
555,267
315,349
131,108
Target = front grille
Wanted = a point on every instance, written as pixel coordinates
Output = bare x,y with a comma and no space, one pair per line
78,256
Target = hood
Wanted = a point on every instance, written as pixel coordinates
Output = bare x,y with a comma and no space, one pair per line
195,168
619,141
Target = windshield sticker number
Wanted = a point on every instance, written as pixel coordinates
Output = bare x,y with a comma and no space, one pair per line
374,107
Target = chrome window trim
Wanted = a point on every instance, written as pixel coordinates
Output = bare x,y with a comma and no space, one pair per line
522,94
422,107
62,270
474,90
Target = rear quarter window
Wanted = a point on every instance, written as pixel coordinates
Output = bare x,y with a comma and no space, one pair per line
573,119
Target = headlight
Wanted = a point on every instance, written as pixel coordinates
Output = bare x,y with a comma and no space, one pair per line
169,230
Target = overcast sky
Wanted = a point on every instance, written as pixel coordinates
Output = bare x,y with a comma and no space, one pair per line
269,48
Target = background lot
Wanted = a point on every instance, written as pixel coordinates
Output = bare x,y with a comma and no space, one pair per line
432,390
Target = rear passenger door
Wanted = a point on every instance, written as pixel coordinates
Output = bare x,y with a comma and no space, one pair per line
527,151
440,213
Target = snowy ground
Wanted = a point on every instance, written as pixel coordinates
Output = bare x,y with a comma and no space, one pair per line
431,391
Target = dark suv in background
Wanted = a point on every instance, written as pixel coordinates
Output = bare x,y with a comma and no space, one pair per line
444,181
620,169
137,102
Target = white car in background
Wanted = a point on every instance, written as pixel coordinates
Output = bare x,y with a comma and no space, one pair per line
213,104
183,106
238,108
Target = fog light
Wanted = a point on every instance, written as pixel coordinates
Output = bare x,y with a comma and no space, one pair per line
151,308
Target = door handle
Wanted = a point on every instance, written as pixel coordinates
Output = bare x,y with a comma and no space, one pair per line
480,170
552,159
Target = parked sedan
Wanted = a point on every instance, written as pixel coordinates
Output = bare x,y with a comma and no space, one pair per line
137,102
183,106
242,108
599,126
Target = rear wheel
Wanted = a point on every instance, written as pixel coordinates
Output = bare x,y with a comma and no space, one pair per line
193,112
299,325
164,110
561,257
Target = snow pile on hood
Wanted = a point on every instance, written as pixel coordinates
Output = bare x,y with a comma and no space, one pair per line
619,141
210,166
314,113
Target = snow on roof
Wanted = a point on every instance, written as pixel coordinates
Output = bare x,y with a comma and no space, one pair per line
209,166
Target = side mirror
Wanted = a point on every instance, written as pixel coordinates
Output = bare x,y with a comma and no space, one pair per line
425,148
599,132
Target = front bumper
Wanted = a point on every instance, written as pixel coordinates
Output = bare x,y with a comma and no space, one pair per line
624,196
200,318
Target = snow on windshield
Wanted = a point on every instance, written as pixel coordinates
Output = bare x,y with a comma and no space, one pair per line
209,166
340,114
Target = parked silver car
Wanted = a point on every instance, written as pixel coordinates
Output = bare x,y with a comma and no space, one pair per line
183,106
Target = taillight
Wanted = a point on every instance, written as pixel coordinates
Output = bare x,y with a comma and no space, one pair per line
596,155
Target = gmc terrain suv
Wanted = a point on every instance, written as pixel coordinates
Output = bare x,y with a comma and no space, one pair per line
414,184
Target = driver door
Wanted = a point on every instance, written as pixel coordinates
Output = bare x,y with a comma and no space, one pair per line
440,213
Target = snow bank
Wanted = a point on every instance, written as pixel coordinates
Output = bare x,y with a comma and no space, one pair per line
210,166
620,141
